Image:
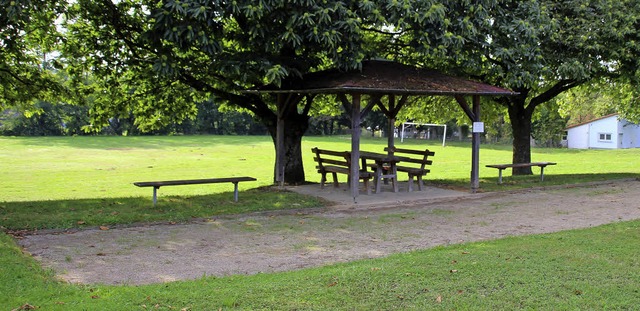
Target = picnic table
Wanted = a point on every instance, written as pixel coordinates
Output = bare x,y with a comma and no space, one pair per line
385,167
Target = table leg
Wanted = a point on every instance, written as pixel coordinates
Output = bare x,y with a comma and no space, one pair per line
386,172
394,178
541,173
500,175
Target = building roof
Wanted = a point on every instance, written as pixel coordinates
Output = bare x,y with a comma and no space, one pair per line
384,77
590,121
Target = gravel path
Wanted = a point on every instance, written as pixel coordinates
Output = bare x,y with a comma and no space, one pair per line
248,244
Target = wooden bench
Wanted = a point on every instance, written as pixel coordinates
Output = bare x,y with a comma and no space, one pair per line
335,162
501,167
157,184
417,159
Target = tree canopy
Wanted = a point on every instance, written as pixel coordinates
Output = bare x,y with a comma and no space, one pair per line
28,35
553,46
542,48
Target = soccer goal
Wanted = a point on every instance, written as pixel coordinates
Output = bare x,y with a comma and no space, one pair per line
407,125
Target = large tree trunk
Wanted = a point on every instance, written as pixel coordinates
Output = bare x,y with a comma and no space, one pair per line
295,125
521,127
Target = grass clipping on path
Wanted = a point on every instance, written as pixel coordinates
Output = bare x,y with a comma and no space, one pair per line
596,268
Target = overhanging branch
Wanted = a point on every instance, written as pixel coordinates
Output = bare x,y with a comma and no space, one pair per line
252,103
388,33
12,74
555,90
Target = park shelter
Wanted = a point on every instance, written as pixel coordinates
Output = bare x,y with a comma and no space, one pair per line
378,79
608,132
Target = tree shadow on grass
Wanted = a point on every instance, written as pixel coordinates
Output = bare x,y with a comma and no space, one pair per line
509,182
140,142
89,213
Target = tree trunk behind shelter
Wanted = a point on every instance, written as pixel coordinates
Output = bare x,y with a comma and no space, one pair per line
295,126
521,127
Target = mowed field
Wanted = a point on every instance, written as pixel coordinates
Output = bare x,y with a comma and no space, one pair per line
53,168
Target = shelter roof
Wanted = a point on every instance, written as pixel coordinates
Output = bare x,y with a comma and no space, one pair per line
384,77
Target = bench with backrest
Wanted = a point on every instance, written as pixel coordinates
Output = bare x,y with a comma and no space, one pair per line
501,167
337,162
157,184
413,162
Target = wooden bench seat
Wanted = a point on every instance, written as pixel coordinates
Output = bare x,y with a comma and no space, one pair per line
337,162
157,184
502,167
413,163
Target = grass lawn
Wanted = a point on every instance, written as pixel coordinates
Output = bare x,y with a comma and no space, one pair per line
56,168
64,182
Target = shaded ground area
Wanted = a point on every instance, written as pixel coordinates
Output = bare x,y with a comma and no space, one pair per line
248,244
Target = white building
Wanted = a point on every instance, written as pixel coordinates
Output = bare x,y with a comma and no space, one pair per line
608,132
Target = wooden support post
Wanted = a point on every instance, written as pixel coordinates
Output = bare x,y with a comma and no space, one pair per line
355,146
474,116
280,152
391,120
475,148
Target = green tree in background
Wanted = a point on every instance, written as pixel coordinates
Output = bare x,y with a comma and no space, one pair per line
547,127
540,49
595,100
543,48
28,36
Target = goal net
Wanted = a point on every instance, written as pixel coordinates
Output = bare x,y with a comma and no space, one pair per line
410,129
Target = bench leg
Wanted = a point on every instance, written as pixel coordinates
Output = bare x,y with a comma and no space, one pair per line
410,183
235,191
420,184
323,179
335,179
542,173
155,195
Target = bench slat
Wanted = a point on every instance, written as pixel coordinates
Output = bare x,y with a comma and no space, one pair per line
192,181
411,151
413,170
339,162
502,167
332,161
157,184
